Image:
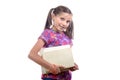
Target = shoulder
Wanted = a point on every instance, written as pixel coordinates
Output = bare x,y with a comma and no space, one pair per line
47,30
46,34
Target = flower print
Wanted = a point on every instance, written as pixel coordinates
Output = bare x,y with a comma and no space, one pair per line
53,35
64,43
57,42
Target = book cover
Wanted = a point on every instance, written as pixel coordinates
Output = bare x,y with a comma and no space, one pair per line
60,55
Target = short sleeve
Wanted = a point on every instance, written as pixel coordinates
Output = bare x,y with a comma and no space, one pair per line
45,36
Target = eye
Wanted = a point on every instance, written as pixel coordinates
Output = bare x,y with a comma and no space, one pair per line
62,19
68,21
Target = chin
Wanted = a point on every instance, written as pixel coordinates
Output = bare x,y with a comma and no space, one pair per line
61,30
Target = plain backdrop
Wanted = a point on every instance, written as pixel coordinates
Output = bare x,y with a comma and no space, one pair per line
96,39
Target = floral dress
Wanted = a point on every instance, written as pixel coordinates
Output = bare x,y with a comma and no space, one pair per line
53,38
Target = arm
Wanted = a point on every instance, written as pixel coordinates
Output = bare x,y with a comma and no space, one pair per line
33,55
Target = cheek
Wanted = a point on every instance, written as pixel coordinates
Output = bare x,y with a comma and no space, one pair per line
67,25
58,22
55,23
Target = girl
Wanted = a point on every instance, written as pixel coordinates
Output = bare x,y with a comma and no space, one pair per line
58,31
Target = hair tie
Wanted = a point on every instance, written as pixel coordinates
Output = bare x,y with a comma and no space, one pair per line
52,10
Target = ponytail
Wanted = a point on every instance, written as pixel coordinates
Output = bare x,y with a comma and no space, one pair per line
49,19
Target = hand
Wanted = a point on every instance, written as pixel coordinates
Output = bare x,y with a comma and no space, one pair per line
62,69
54,69
74,67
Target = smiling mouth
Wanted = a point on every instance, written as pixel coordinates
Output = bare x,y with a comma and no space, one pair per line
62,27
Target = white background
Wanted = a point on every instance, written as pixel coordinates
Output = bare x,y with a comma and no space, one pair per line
96,44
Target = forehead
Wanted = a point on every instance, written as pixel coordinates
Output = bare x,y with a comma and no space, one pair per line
65,15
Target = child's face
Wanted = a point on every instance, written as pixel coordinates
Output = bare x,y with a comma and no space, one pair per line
61,21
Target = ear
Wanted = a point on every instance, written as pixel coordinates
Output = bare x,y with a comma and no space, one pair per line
53,16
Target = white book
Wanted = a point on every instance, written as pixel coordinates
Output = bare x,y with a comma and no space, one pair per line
60,55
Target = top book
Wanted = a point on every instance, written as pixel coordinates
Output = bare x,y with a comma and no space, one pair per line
59,55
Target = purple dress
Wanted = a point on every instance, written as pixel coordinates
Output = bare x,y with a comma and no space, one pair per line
53,38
